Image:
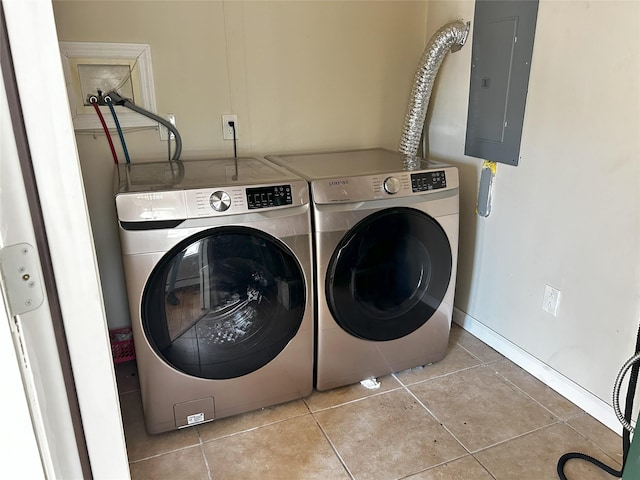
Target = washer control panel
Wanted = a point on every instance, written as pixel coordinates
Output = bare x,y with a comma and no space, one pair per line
211,202
271,196
233,200
425,181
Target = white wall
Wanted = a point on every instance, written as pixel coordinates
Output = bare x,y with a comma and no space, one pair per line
301,76
568,214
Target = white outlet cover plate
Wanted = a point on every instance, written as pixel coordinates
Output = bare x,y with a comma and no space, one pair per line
551,300
164,130
227,131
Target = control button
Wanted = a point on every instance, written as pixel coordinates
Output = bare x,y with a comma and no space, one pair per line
391,185
220,201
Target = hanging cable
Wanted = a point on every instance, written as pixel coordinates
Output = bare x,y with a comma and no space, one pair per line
94,101
108,101
119,100
232,124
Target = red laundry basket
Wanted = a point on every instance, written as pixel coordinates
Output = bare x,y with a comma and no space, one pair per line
122,347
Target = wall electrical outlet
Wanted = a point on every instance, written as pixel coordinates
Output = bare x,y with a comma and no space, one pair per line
164,131
551,300
227,131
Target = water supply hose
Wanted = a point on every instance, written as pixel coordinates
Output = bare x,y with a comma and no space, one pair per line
107,100
119,100
94,101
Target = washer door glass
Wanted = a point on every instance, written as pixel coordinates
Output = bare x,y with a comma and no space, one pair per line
223,303
389,274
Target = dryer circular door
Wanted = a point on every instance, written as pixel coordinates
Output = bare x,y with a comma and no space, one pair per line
389,274
223,303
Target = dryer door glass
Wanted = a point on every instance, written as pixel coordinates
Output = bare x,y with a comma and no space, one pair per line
389,274
223,303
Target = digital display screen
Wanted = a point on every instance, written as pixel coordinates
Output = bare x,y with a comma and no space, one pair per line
273,196
422,182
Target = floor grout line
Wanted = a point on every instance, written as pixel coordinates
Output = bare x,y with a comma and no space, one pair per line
333,447
604,452
150,457
557,420
252,429
204,456
483,362
528,395
435,377
486,469
435,417
356,400
431,467
520,435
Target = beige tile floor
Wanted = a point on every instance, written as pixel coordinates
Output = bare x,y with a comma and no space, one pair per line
472,416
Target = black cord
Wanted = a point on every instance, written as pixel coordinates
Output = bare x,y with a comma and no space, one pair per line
232,124
587,458
626,435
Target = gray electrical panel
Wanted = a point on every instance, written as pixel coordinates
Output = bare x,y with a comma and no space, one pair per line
503,33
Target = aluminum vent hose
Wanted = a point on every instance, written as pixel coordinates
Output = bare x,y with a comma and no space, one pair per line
452,37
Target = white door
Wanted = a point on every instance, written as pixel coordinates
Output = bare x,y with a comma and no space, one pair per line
30,321
19,454
88,398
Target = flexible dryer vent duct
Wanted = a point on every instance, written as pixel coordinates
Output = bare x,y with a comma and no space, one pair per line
450,37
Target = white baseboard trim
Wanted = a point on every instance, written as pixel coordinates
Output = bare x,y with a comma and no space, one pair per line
573,392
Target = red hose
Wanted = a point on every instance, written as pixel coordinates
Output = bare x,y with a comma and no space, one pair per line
106,131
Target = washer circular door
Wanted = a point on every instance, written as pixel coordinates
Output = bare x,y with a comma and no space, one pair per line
223,303
389,274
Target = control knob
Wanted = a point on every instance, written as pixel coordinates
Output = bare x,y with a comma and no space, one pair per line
220,201
391,185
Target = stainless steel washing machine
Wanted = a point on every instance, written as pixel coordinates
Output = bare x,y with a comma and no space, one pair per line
386,240
217,260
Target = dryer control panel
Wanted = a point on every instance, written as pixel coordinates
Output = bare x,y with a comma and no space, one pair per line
425,181
382,186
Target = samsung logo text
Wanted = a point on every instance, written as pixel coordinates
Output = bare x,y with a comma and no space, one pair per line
337,183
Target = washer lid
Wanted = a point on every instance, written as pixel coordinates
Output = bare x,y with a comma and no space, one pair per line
192,174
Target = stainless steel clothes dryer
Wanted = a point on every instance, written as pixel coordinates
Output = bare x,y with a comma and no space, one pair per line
386,234
217,260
